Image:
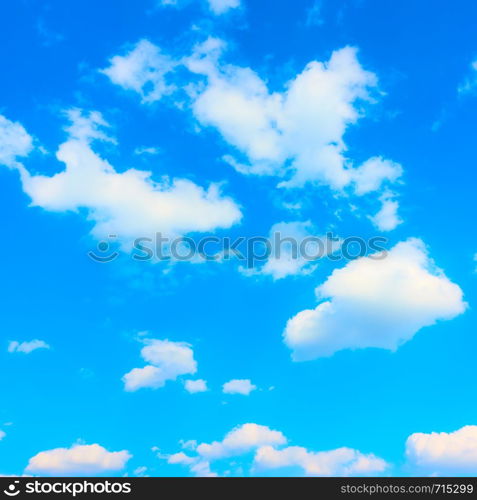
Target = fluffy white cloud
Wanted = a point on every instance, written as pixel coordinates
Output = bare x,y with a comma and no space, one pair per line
168,360
339,462
198,466
374,302
240,440
129,204
195,386
146,151
27,347
243,439
2,434
444,453
299,133
79,459
144,69
270,454
373,172
387,218
239,386
15,142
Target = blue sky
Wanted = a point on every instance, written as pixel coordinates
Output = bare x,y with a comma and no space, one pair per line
217,94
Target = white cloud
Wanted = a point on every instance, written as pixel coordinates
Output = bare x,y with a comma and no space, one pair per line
144,69
2,434
27,347
297,134
181,458
244,387
195,386
444,453
270,454
79,459
197,466
372,173
339,462
15,142
168,360
129,204
222,6
240,440
387,218
303,126
373,302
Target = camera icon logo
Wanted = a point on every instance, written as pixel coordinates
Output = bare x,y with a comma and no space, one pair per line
104,252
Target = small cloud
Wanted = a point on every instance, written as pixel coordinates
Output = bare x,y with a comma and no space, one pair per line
387,218
237,386
27,347
146,151
195,386
167,361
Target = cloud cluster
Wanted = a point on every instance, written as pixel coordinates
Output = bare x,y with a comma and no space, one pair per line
78,460
270,452
375,302
297,134
340,462
167,361
241,440
127,204
144,69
